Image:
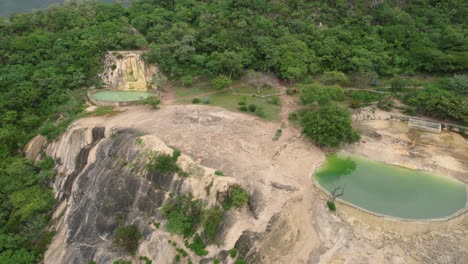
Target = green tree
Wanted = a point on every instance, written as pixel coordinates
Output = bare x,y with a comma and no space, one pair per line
329,127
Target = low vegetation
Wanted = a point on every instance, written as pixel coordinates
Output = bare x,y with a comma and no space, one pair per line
212,220
163,163
127,237
183,215
236,196
198,247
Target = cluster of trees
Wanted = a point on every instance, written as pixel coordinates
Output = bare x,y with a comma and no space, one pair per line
44,57
295,38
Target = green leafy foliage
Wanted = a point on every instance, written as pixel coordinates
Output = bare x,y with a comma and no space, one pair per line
438,103
321,94
195,101
152,101
127,237
329,126
240,261
331,206
163,163
221,82
364,98
212,220
198,247
334,77
236,196
233,252
218,173
183,215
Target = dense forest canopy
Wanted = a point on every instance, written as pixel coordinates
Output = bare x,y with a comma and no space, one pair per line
296,38
47,56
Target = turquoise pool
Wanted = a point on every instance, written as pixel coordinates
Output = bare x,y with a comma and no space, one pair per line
392,190
121,96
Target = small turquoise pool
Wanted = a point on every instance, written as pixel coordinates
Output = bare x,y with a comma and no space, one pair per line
121,96
392,190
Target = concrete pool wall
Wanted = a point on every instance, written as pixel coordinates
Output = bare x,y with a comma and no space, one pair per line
351,213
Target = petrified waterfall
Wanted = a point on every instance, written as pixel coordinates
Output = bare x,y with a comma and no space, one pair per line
126,70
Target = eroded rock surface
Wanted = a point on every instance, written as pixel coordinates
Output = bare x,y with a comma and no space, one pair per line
126,70
102,178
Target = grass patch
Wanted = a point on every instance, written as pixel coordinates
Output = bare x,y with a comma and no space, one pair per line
196,89
219,173
267,90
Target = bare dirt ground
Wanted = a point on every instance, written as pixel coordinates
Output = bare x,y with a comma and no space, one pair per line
278,174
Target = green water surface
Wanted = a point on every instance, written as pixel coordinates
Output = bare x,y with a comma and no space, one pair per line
392,190
121,96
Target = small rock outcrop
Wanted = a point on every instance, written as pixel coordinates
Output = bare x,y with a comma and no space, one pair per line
126,70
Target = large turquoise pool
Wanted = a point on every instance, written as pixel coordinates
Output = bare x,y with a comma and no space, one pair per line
121,96
392,190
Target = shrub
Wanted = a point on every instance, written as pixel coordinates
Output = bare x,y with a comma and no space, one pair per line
438,103
365,97
385,103
206,100
242,103
240,261
219,173
198,247
213,219
355,104
183,215
127,237
293,116
119,56
331,206
409,111
187,80
152,101
290,91
275,100
236,196
260,112
334,77
216,261
252,108
277,134
221,82
177,258
195,101
243,108
397,84
162,163
233,252
458,83
176,154
139,141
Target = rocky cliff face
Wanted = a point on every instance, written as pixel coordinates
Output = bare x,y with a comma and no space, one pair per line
126,70
103,181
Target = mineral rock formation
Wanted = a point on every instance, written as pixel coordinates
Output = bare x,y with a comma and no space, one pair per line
126,70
